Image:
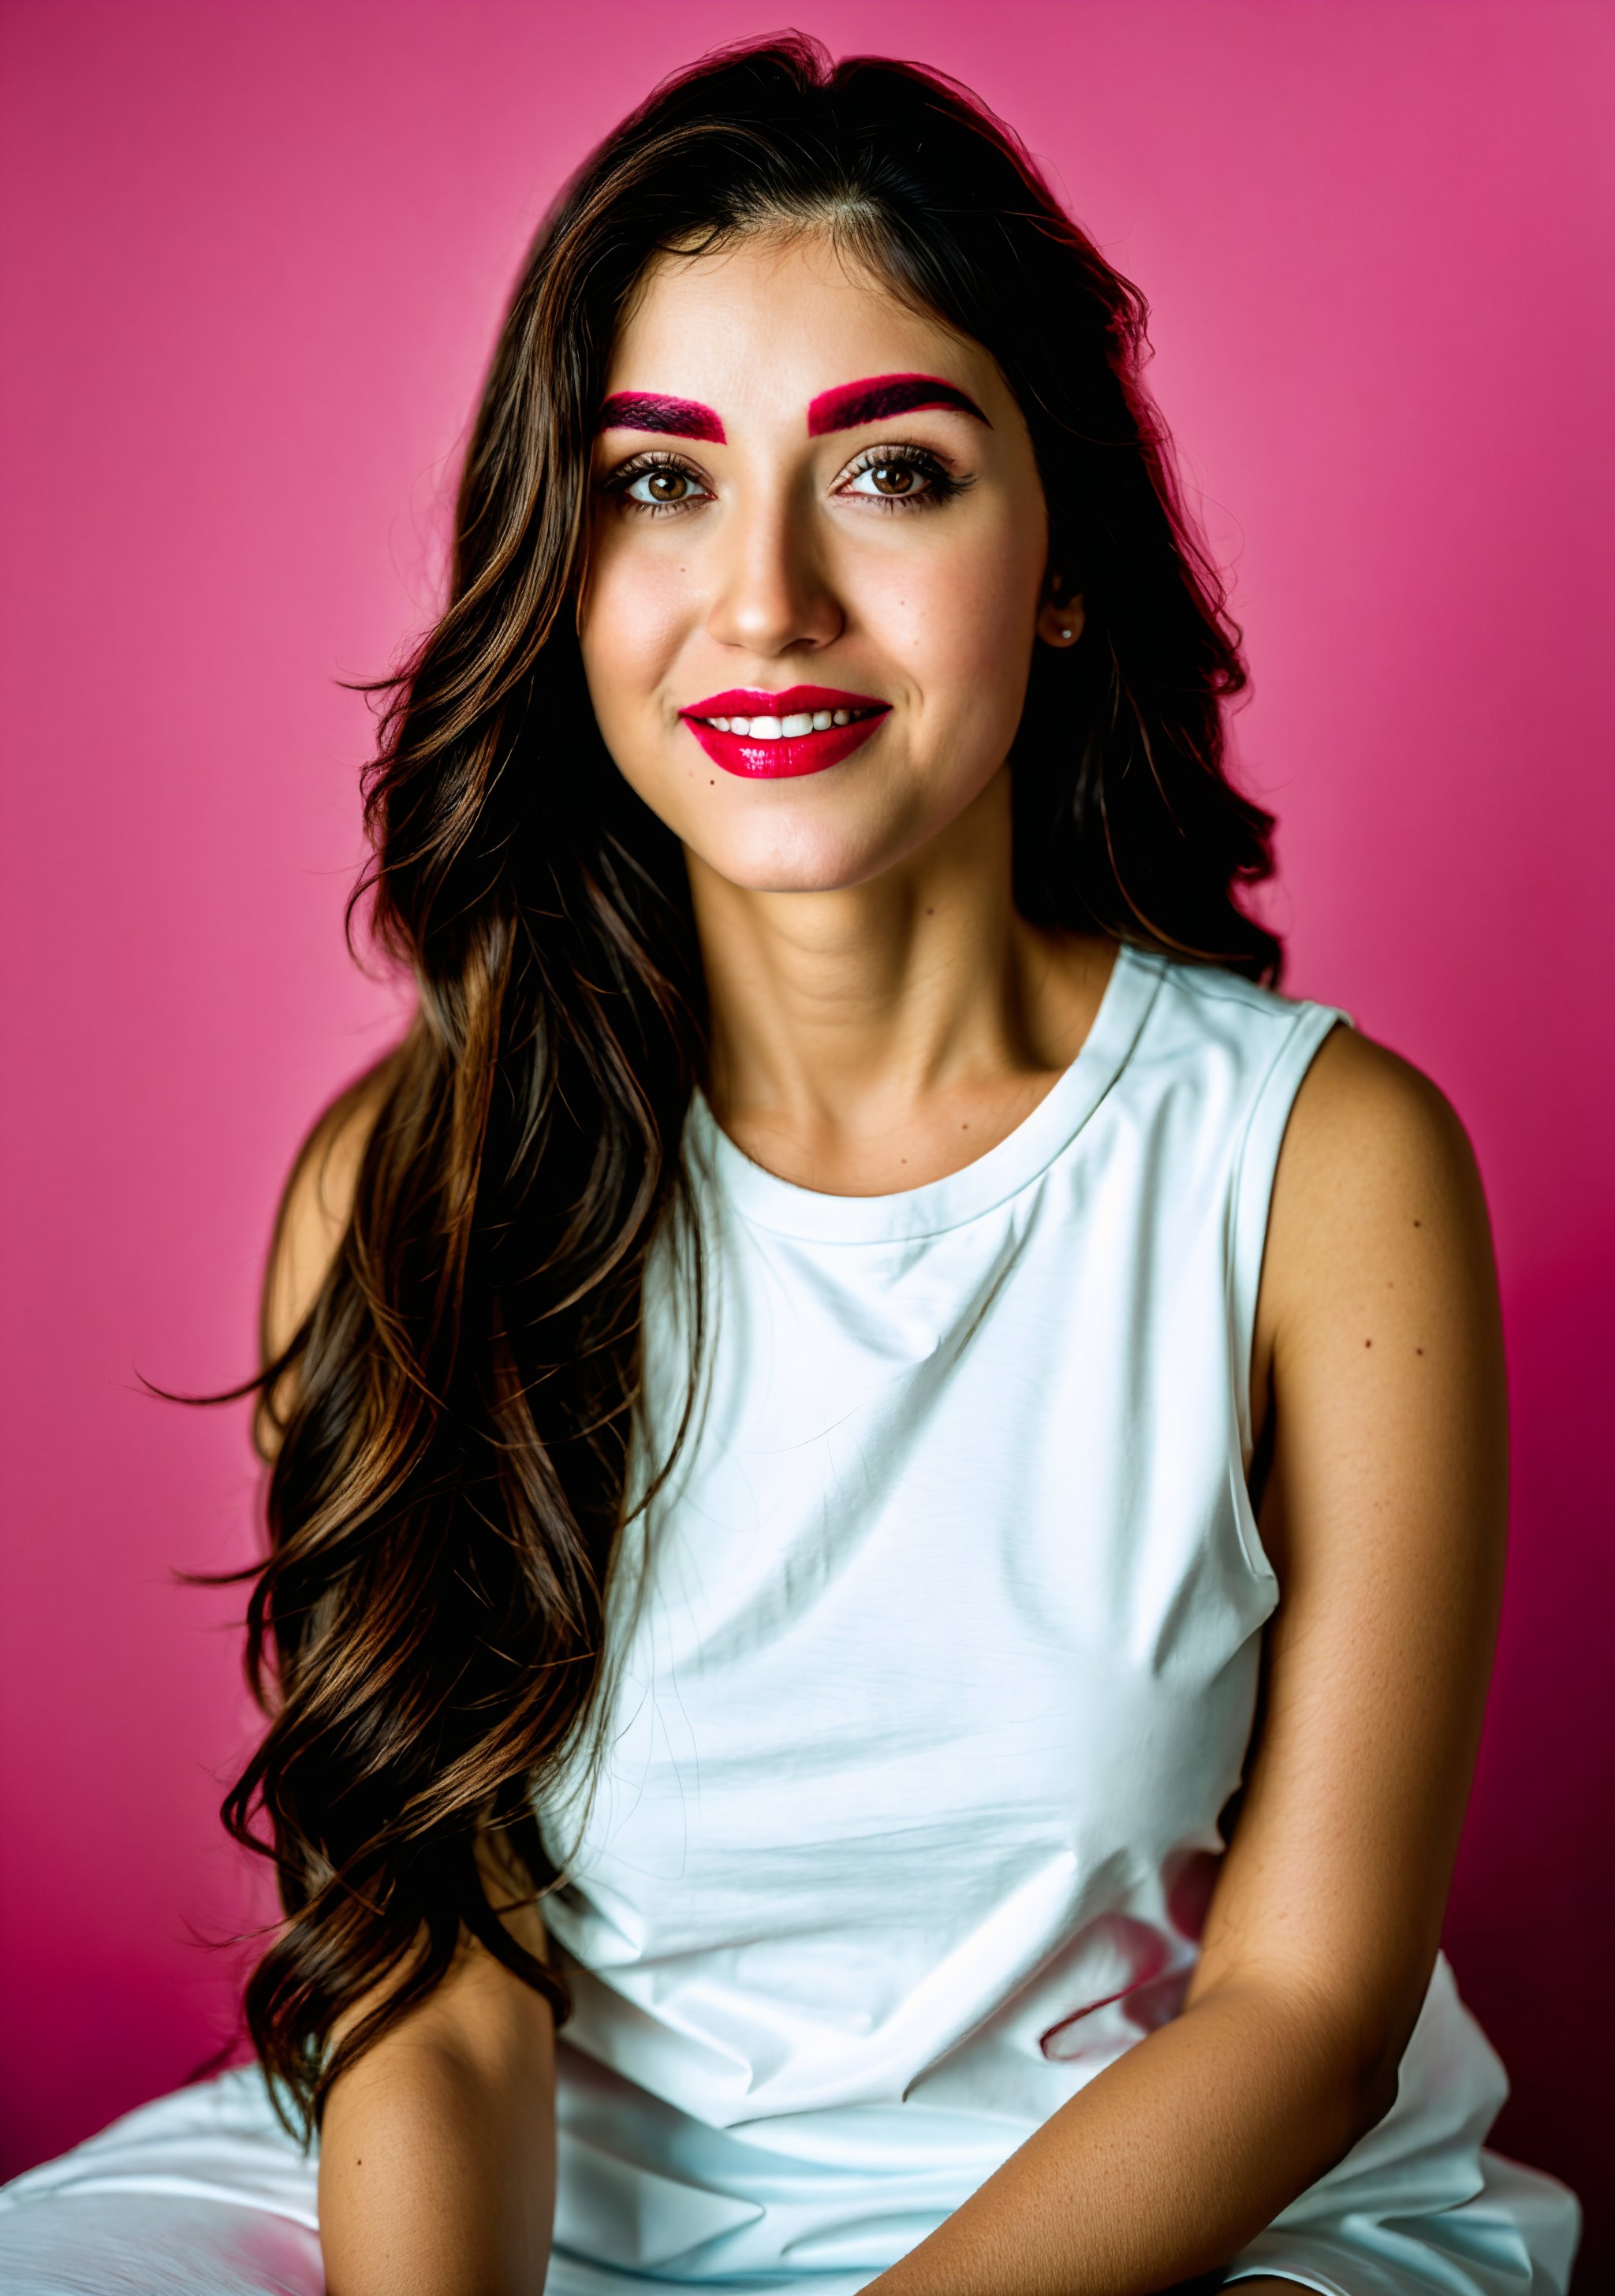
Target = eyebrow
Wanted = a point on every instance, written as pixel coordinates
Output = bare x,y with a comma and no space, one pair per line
880,394
676,418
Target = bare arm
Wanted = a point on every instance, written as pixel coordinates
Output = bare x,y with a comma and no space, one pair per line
1384,1515
436,2149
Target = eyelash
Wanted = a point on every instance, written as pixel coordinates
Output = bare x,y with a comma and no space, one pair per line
942,484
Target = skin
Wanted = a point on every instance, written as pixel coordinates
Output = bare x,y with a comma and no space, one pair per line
896,1048
881,1017
438,2149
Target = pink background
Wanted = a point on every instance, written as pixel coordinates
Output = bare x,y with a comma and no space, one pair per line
255,255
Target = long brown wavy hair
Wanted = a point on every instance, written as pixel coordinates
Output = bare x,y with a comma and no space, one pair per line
450,1425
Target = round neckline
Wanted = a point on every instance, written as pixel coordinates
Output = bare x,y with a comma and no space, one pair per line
763,1198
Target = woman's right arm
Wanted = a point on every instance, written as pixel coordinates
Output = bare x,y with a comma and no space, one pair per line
438,2147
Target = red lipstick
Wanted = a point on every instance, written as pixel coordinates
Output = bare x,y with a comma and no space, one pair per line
803,729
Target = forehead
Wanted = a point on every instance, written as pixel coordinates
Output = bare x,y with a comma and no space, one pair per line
761,327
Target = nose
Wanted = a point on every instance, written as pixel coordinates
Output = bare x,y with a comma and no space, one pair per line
771,592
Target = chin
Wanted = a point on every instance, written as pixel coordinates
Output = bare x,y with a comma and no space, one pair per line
792,837
812,862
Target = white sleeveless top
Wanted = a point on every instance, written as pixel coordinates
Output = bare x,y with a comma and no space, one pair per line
943,1666
943,1669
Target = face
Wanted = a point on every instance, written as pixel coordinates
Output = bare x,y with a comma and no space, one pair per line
817,513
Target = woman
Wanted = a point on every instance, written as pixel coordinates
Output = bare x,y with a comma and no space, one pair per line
887,1470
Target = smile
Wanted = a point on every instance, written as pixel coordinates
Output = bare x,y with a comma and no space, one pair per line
778,736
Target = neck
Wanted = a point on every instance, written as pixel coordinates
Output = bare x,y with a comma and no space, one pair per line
875,1018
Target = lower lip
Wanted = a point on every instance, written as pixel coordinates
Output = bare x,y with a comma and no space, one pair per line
785,758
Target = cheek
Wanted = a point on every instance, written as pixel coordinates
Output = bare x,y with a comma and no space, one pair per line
634,619
962,615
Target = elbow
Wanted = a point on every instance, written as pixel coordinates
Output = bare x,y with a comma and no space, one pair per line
1377,2040
1333,2052
1372,2088
1345,2061
1355,2071
1366,2103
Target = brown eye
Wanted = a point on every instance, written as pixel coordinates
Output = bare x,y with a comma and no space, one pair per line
908,478
893,478
663,485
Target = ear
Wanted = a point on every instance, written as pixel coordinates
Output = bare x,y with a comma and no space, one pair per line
1060,619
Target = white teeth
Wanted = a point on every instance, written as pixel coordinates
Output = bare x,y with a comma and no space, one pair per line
789,729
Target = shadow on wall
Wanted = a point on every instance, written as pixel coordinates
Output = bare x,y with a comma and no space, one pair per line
1535,1962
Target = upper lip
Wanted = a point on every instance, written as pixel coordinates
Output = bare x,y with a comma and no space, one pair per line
749,701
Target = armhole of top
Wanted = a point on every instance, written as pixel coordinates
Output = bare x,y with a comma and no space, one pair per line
1250,1202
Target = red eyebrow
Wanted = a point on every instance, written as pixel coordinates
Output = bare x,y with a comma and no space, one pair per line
880,394
677,418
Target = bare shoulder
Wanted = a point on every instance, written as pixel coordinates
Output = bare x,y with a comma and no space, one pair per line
1378,1233
314,1211
315,1205
1375,1155
1359,1096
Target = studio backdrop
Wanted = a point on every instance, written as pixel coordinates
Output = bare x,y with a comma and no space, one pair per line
253,260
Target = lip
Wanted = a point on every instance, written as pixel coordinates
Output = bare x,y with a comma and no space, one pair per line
782,759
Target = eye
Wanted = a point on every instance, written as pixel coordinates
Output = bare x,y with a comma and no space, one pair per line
657,483
660,486
895,477
891,479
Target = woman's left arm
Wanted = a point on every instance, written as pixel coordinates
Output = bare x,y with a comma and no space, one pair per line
1384,1514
